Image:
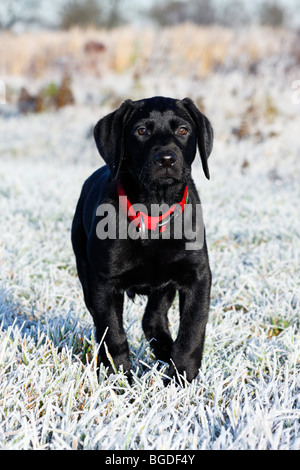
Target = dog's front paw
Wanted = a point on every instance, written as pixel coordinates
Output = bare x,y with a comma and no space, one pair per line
162,346
116,363
181,373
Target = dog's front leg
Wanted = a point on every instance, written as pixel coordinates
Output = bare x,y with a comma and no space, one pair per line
194,308
108,319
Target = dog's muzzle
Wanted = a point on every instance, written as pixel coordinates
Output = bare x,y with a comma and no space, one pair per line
166,158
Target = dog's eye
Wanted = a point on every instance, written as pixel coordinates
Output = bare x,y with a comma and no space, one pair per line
142,131
181,130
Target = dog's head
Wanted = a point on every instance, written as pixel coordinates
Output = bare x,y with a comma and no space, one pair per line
156,138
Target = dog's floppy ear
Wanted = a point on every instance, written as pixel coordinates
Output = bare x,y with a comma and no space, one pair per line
205,135
109,137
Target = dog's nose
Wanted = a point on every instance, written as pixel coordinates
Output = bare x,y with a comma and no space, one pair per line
166,158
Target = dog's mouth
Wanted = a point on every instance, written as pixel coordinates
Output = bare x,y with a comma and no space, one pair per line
153,174
168,165
158,177
166,175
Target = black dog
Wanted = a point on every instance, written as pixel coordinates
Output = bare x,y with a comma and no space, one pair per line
148,146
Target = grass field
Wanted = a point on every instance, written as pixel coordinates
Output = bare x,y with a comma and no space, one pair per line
247,394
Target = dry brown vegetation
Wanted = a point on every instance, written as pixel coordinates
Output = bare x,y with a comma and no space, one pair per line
181,49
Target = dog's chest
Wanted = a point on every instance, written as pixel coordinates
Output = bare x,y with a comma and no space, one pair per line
143,270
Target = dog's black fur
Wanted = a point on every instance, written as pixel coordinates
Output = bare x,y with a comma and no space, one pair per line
145,145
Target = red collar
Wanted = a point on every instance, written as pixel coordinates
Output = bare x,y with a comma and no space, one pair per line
144,221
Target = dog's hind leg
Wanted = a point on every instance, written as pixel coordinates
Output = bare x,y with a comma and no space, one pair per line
155,322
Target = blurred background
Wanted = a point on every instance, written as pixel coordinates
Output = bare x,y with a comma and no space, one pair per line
239,61
66,63
99,52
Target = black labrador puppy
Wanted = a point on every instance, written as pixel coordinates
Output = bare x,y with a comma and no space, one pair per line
137,229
